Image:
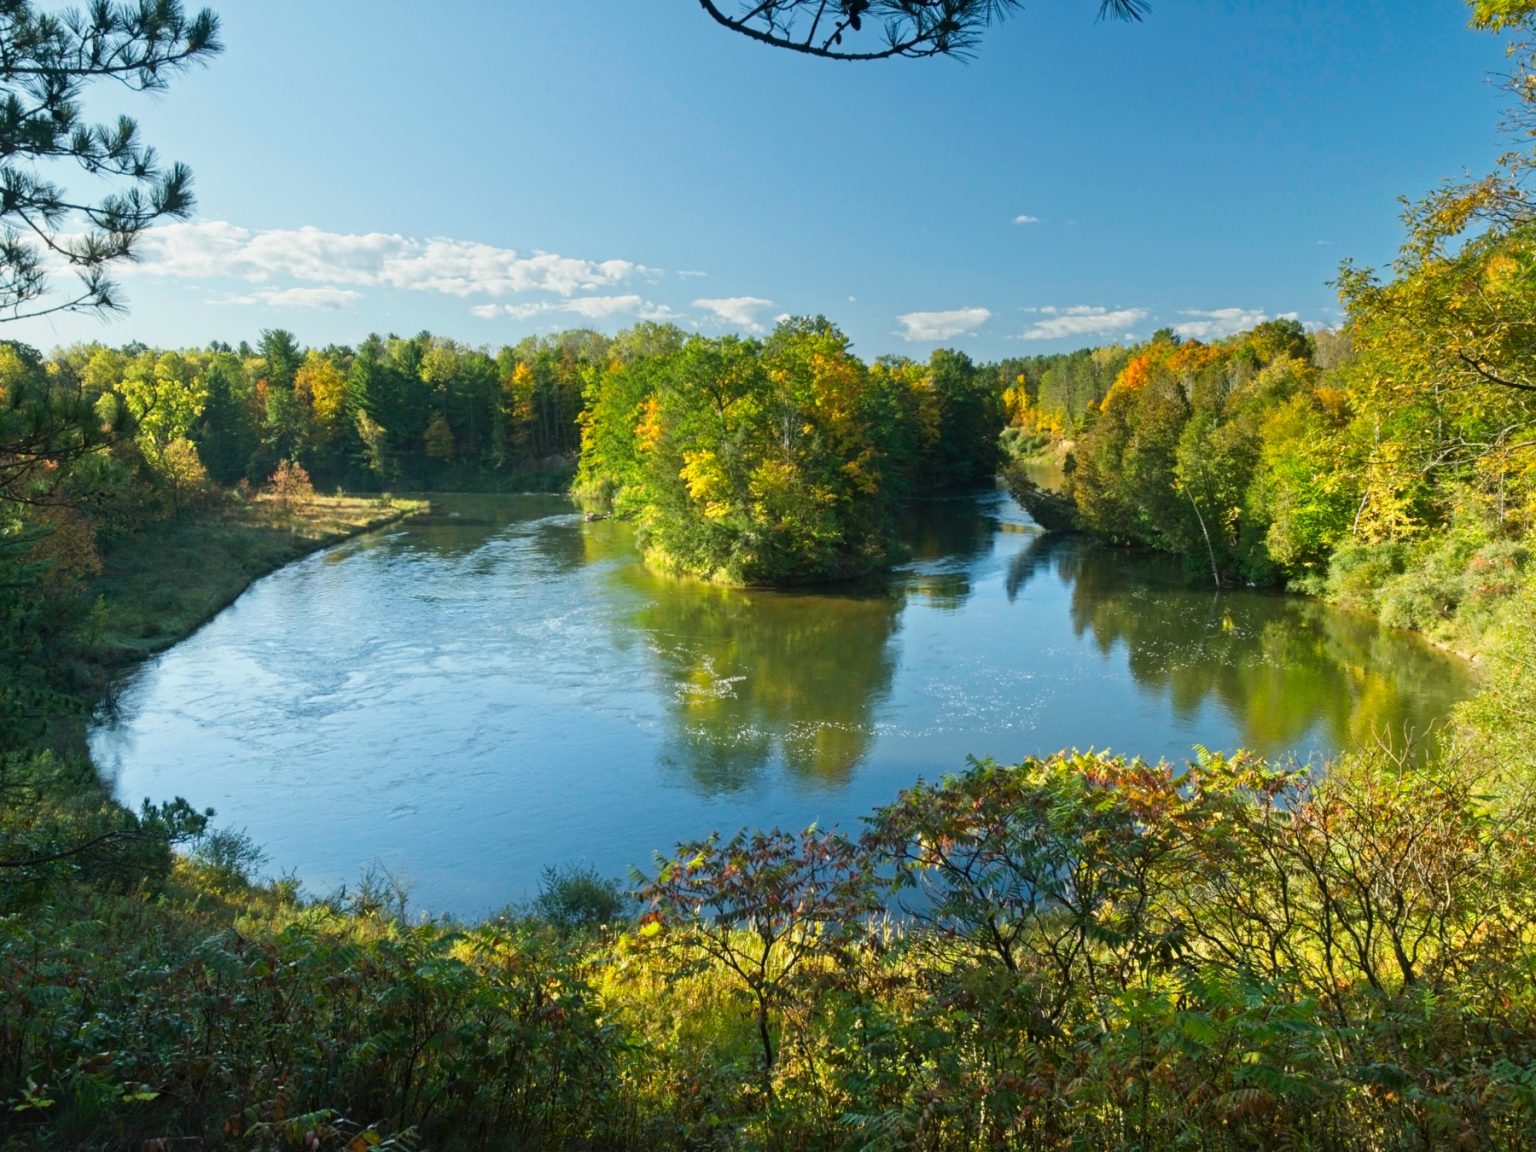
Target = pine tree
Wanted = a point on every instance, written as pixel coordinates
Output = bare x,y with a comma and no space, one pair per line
46,61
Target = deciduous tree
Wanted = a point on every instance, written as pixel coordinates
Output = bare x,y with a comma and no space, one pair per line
763,906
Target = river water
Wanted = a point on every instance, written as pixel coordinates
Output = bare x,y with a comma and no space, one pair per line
466,698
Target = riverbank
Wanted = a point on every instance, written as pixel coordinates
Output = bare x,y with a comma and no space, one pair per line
160,585
1459,590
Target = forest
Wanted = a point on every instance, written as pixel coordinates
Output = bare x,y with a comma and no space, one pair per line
1078,950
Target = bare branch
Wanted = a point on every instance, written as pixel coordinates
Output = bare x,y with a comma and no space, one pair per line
1492,377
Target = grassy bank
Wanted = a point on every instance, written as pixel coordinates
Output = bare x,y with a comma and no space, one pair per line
160,585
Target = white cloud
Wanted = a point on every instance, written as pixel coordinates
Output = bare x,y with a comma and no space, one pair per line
941,325
1082,320
219,249
587,307
298,298
1026,219
691,274
602,307
1219,323
738,310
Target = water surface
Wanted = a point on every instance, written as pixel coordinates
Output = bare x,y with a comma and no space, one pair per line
468,697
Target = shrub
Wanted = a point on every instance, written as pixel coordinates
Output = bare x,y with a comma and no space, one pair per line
1425,595
1358,571
228,858
290,484
1022,444
764,906
1494,572
575,898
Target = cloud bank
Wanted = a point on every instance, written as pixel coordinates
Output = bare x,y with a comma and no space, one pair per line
324,298
741,311
586,307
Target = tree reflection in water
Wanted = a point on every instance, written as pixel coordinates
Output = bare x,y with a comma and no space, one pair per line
800,673
754,673
1279,666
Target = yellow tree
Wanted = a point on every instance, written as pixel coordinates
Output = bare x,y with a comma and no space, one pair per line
1444,384
182,472
163,396
320,383
517,390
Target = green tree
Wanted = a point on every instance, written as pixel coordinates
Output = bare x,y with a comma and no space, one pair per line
43,432
284,419
225,434
610,475
970,414
46,62
1305,487
164,395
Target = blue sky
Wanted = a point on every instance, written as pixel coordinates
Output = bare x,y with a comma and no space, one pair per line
490,170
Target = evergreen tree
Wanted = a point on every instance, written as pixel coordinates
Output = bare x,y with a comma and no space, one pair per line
46,63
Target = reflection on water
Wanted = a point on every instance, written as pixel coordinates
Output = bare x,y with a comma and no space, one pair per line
762,678
1279,666
501,686
754,673
943,540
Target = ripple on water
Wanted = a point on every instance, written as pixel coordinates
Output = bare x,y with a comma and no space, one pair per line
469,700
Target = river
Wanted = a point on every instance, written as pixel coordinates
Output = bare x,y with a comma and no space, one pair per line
466,698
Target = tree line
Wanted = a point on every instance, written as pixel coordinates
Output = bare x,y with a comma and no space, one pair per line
718,437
